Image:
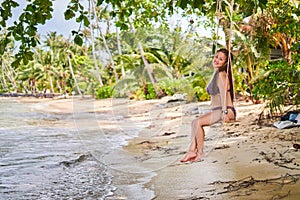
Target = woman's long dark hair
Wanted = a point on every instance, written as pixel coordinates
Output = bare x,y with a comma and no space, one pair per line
228,69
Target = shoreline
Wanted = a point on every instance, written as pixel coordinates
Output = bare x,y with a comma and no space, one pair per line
245,160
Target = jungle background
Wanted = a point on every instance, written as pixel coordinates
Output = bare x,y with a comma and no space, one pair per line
126,48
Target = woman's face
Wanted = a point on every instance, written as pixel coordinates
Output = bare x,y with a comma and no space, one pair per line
219,60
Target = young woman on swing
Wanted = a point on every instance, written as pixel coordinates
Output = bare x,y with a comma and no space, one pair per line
222,93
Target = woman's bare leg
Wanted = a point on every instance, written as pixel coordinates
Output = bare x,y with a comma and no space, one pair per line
192,153
196,147
199,137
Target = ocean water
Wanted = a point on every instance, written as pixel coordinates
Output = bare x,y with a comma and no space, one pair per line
48,156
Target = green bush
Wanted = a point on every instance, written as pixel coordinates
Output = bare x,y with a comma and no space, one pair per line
192,90
201,94
104,92
279,85
199,83
149,91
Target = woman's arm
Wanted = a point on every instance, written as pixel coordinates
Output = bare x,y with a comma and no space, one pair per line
223,85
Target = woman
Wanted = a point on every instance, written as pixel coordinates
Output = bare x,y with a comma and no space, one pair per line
221,90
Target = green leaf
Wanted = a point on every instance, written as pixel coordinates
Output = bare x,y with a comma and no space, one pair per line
14,4
69,14
86,21
198,4
15,63
99,2
78,40
79,19
74,32
182,4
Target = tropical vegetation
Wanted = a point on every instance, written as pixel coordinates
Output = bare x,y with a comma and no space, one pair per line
126,48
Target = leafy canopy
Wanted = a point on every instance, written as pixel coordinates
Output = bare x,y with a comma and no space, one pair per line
24,29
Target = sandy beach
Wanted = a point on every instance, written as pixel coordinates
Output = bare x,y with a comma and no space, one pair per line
246,159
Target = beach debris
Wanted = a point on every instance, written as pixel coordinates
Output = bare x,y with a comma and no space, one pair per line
168,133
171,101
224,146
146,142
195,111
194,198
176,97
296,146
180,136
281,160
249,182
278,196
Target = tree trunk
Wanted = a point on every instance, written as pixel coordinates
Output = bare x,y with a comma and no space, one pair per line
286,50
120,51
9,75
104,42
148,67
93,50
73,76
285,44
51,83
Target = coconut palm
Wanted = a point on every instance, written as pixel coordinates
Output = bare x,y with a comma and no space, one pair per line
8,73
60,60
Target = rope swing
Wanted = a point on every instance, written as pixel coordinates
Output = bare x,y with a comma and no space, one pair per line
218,10
229,60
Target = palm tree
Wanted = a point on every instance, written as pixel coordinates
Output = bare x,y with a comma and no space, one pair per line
8,73
61,59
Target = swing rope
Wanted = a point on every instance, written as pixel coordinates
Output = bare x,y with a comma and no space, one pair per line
229,47
218,10
229,60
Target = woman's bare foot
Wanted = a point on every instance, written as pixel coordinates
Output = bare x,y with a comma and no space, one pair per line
198,157
189,156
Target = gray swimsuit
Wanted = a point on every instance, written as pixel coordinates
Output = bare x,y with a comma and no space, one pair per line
213,89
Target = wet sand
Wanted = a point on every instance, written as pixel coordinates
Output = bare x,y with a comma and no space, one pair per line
244,159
